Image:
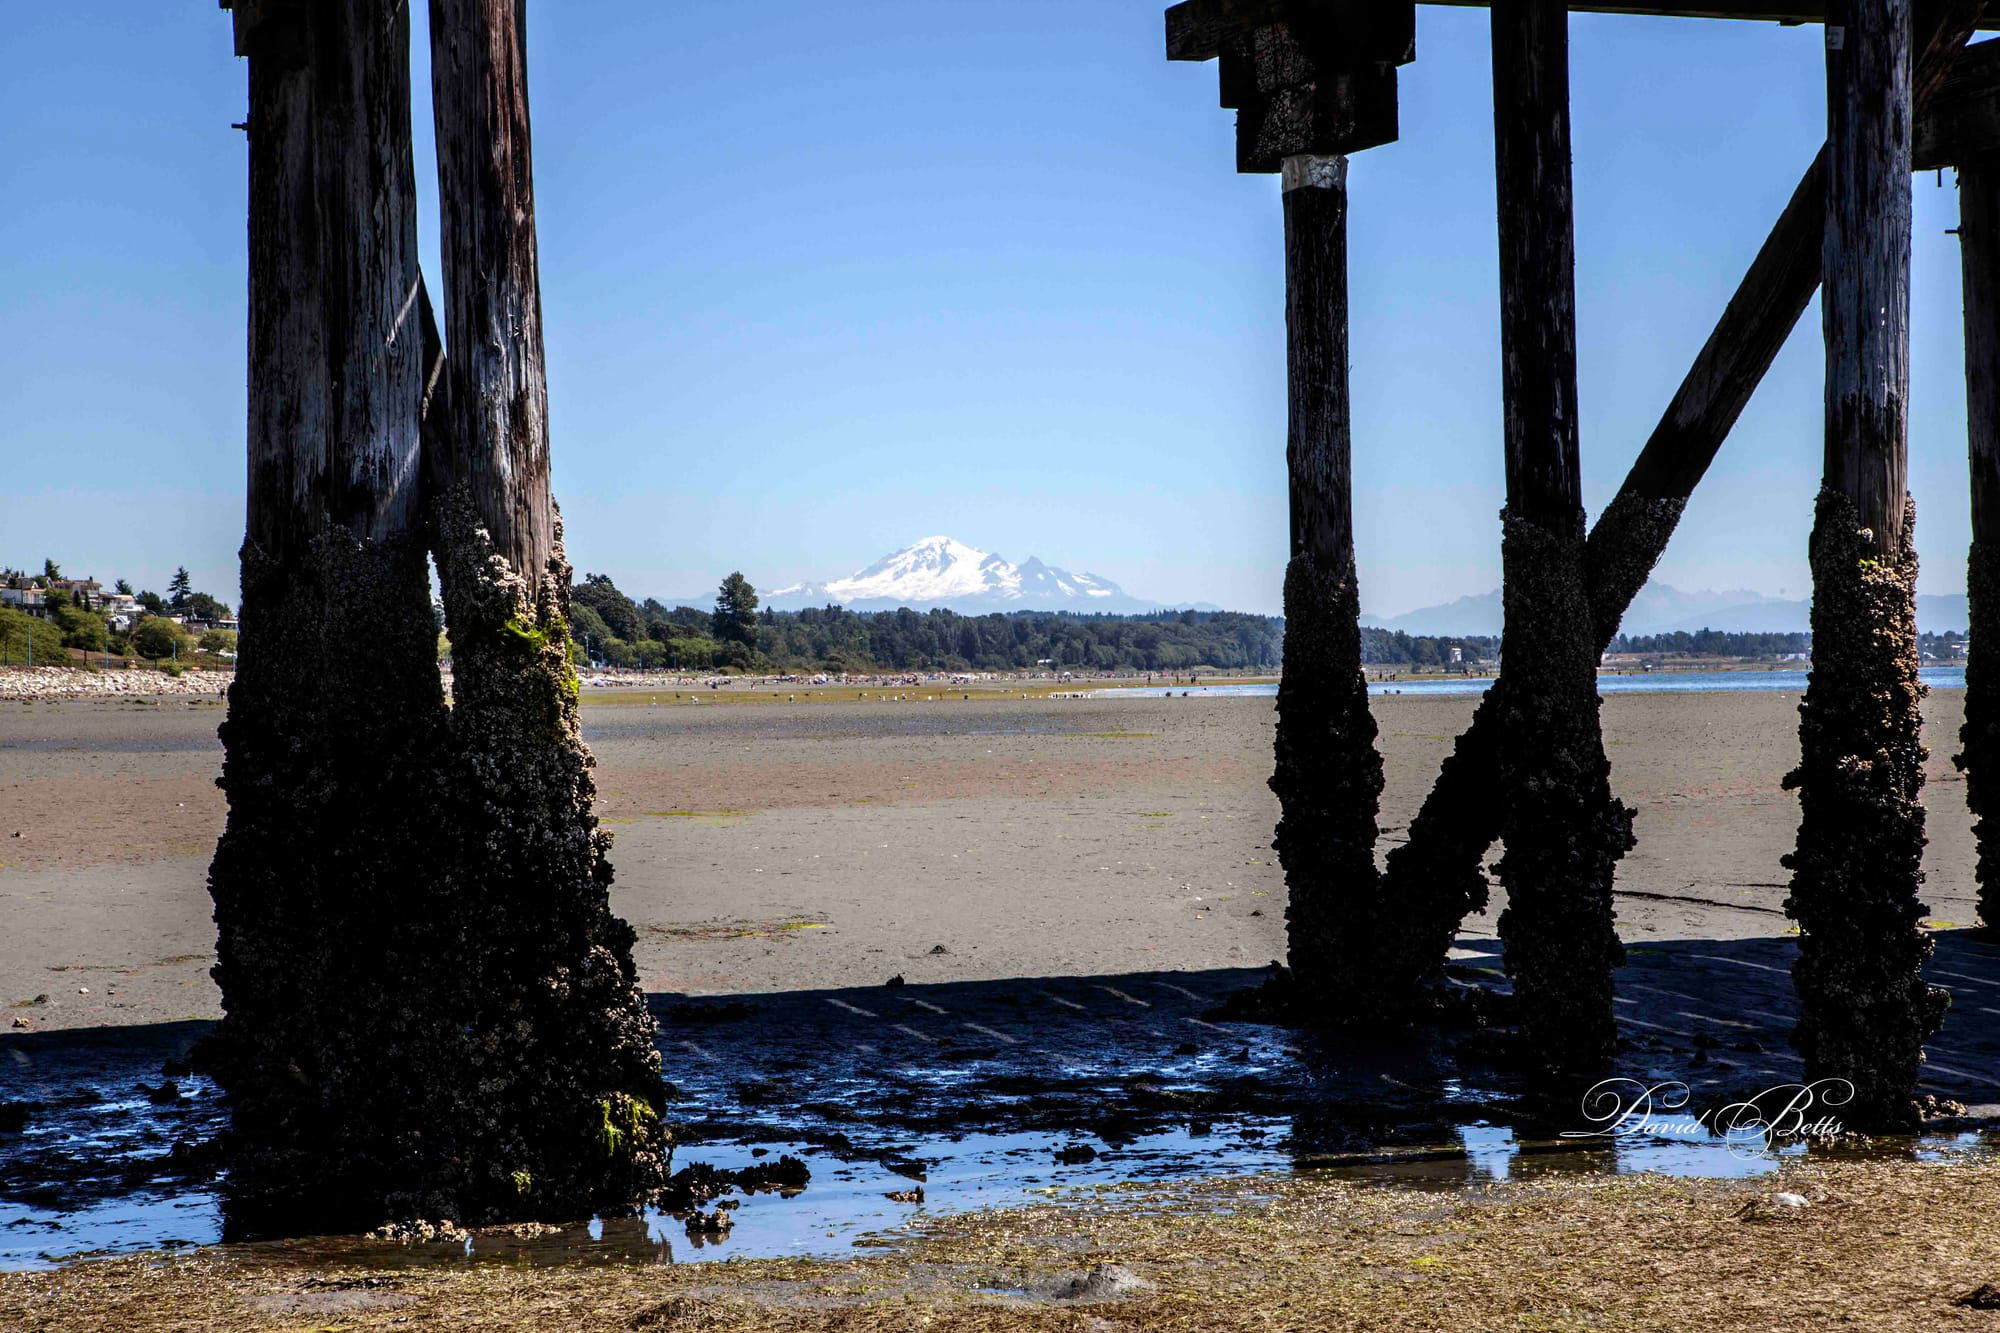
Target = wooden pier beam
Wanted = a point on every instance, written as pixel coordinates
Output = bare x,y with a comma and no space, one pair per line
328,753
1311,83
1979,759
567,1119
1328,775
1563,830
1434,880
1864,1009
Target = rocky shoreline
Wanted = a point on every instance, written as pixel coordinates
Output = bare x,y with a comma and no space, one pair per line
31,683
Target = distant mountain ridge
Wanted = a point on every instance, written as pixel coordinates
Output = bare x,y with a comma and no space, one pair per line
1663,609
945,572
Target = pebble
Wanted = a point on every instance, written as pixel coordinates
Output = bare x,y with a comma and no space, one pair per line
75,683
1104,1282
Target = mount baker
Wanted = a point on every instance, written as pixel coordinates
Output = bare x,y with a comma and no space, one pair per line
943,572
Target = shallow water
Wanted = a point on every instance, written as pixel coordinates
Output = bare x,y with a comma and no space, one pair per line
992,1092
1637,682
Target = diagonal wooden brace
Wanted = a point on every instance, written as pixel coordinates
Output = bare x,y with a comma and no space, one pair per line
1434,880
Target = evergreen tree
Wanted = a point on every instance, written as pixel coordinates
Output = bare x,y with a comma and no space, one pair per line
735,618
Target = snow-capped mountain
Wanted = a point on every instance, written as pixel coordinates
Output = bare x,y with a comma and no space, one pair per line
940,571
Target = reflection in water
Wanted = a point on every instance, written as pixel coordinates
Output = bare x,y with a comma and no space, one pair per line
970,1096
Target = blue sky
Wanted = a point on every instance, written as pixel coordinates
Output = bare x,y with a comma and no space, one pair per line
823,279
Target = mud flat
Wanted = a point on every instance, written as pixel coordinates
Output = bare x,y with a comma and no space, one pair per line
970,954
773,846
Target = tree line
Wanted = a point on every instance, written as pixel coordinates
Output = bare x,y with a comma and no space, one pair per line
1712,643
1385,647
68,621
608,626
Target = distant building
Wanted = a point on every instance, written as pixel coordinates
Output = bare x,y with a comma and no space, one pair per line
122,607
31,600
86,593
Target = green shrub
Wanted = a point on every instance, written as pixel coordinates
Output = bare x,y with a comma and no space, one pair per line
156,637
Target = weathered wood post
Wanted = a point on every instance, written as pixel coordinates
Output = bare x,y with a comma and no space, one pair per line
1435,878
1979,255
1328,775
562,1053
1311,83
1564,831
335,715
1864,1008
1964,130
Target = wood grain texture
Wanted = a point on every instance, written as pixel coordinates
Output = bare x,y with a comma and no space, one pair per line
328,753
1197,29
336,368
1563,831
1537,260
1327,773
492,278
1865,265
1979,755
1960,119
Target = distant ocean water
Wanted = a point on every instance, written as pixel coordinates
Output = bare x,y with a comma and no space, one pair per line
1656,682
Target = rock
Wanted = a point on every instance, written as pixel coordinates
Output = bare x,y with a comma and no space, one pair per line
710,1223
1985,1296
1104,1282
20,1022
939,948
896,980
531,1230
1773,1206
915,1195
1076,1154
420,1231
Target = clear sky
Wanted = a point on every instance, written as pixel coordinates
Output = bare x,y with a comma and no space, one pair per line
821,279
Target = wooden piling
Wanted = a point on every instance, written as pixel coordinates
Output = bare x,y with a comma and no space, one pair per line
568,1119
1564,832
1328,776
1436,877
1864,1008
328,748
1979,759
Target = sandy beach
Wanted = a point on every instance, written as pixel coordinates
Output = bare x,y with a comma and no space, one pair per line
771,846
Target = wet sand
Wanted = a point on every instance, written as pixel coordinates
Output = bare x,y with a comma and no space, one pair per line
819,846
